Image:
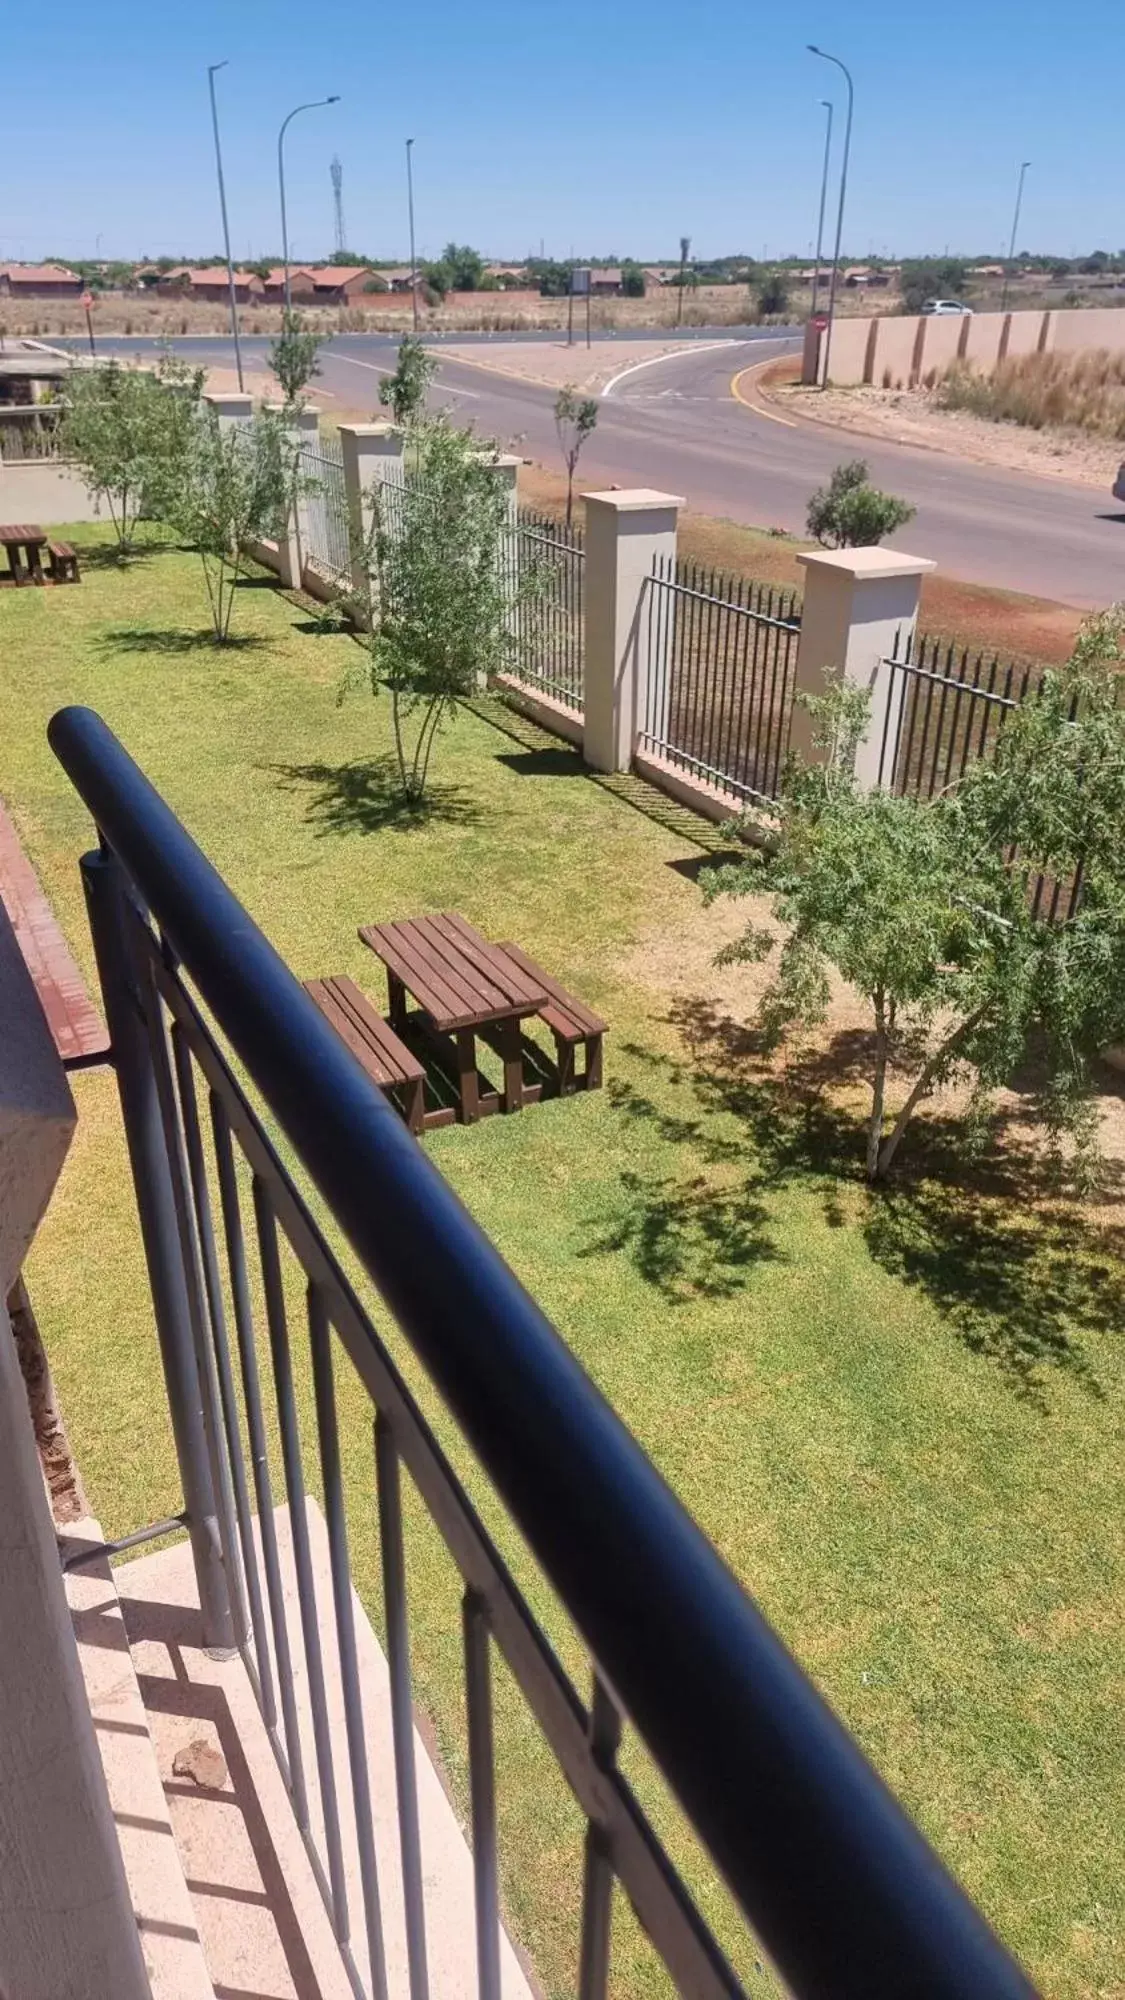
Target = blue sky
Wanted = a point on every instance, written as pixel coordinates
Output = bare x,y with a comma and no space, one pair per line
598,126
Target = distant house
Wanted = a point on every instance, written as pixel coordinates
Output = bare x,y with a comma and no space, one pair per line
210,285
866,277
662,274
606,282
398,277
39,281
317,284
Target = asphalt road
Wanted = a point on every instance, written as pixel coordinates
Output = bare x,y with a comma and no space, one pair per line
673,424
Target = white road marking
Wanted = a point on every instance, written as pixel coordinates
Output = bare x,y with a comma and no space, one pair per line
354,361
681,353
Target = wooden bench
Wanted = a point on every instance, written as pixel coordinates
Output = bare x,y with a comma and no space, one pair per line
388,1062
63,562
572,1025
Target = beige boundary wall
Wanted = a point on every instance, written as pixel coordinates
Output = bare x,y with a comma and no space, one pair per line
46,490
896,352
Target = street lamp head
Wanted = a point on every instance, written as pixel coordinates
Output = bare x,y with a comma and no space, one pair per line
212,68
332,100
813,50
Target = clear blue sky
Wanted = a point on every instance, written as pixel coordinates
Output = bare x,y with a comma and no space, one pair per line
598,126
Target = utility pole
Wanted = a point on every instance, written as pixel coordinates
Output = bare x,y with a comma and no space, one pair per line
823,200
825,57
685,251
1012,244
410,205
211,69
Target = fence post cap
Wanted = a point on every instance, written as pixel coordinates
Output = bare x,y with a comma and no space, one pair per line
236,404
374,432
634,499
864,564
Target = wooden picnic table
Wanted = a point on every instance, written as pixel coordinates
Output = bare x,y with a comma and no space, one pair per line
464,986
23,543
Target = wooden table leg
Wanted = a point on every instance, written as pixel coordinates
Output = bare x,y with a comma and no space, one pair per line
466,1044
396,1002
416,1104
34,563
511,1050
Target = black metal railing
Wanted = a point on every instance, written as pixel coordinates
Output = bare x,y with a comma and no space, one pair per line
830,1873
722,658
946,706
547,566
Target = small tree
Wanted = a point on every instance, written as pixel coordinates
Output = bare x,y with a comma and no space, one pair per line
923,905
293,358
128,430
403,393
851,513
234,489
575,418
773,295
633,280
440,610
464,265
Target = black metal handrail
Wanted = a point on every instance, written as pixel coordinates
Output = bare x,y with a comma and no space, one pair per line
838,1883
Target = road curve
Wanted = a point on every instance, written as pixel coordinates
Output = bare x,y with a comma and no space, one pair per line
673,424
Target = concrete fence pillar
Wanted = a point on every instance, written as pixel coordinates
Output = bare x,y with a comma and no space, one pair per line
626,533
373,457
859,605
232,409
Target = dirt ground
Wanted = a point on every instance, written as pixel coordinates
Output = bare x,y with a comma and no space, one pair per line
912,416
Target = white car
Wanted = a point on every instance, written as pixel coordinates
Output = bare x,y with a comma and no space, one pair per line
1119,484
946,309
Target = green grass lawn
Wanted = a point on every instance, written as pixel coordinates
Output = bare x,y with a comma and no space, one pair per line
899,1418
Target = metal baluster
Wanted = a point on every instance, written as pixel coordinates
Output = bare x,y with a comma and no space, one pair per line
302,1553
204,1355
320,1344
245,1582
597,1879
482,1788
259,1462
402,1714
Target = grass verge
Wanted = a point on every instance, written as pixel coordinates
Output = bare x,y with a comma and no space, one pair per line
898,1417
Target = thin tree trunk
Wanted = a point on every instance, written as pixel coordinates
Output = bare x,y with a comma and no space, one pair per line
569,491
400,747
878,1093
929,1069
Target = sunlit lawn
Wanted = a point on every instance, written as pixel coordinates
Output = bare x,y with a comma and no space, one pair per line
900,1419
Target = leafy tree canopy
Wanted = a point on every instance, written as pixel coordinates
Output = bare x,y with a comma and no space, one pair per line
925,906
851,513
403,393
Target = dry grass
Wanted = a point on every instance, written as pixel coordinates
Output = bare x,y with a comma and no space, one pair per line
1077,391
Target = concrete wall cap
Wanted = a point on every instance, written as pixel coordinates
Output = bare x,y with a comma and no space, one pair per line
234,405
636,499
865,563
369,430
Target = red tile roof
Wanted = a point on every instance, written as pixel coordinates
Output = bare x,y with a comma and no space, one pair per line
41,274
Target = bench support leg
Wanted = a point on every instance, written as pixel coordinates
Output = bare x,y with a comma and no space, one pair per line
594,1062
564,1055
416,1104
511,1051
396,1003
466,1043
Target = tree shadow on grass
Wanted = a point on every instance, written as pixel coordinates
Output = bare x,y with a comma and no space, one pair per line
1018,1274
364,796
109,555
174,644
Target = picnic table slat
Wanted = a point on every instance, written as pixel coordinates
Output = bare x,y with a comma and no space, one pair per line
503,969
471,963
455,975
566,1006
440,998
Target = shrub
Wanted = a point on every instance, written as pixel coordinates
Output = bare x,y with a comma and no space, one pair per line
773,295
851,513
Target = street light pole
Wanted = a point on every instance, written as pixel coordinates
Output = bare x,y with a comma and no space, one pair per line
825,57
212,68
823,200
410,208
316,105
1012,244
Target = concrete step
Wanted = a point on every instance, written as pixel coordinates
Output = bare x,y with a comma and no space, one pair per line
170,1938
